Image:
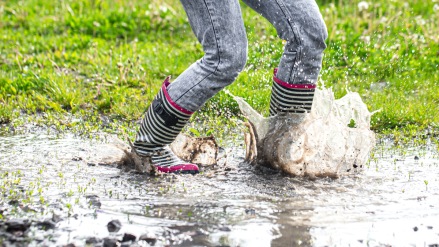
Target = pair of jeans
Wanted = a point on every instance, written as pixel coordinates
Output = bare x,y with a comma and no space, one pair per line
219,27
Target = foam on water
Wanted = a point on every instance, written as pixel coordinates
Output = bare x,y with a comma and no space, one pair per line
334,139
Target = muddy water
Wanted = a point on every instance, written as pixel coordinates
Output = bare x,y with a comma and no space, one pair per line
47,176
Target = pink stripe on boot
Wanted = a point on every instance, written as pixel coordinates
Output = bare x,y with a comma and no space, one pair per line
288,85
175,105
179,168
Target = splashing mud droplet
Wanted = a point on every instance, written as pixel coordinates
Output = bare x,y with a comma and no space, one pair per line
319,144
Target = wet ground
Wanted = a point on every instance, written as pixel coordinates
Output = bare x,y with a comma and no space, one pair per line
51,196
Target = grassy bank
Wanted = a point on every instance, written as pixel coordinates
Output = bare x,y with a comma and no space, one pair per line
103,60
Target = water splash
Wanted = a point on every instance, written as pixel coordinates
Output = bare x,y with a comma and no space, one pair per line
333,140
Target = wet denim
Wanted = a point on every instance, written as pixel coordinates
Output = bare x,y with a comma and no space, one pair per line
219,27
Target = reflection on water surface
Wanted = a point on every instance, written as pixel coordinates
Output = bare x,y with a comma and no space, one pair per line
394,202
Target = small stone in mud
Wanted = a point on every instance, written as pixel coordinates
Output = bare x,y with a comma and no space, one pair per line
415,229
17,225
46,224
94,201
70,245
429,227
114,226
128,237
92,240
416,158
13,203
110,242
77,158
56,218
28,209
91,164
150,238
224,229
250,211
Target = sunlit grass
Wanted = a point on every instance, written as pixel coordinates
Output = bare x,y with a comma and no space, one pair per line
94,57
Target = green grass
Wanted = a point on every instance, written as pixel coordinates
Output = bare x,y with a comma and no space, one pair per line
62,60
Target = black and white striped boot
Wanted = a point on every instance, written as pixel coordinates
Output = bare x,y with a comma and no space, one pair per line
163,121
290,98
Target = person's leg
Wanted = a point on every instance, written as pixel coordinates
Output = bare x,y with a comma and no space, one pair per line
218,26
300,23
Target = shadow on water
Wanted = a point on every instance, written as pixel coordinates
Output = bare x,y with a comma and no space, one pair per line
47,180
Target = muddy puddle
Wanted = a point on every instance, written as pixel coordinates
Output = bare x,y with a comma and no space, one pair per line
51,196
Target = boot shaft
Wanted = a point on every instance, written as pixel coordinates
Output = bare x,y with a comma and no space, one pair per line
290,98
162,123
163,120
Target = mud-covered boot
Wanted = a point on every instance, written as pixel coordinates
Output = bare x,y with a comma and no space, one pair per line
163,121
290,98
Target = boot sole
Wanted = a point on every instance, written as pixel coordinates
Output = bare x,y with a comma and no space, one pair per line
193,172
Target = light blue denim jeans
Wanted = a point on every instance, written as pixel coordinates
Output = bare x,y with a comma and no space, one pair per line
219,27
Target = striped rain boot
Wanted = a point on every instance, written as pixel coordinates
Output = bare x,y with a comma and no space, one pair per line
162,123
290,98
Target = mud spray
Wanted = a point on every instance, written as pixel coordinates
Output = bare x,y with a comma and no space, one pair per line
334,139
